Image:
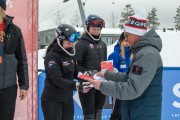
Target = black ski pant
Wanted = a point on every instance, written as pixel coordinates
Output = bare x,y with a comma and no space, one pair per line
8,102
92,101
57,110
116,112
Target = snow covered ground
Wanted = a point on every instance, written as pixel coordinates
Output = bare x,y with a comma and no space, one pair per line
170,52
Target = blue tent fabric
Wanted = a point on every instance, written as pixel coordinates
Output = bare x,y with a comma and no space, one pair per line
41,79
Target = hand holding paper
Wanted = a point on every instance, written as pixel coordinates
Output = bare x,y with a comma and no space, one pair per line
96,83
95,80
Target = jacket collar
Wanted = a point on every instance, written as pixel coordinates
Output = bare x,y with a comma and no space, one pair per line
8,20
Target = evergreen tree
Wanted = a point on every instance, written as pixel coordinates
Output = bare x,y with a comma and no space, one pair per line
177,19
128,11
152,19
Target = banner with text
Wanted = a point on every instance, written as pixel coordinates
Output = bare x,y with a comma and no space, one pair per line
170,104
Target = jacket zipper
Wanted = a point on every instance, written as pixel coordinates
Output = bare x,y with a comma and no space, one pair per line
99,52
4,65
3,59
99,55
8,42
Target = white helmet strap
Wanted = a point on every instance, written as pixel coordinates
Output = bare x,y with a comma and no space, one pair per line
58,41
93,37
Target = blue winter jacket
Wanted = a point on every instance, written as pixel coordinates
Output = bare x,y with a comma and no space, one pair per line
121,64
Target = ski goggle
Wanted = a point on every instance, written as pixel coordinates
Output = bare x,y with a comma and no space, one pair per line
97,23
74,37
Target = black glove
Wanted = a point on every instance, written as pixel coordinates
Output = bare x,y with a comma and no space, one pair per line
84,85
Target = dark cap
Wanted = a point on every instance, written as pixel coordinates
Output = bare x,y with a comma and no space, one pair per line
3,4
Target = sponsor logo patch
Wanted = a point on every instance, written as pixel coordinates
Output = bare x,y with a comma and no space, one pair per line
91,46
66,63
137,70
52,64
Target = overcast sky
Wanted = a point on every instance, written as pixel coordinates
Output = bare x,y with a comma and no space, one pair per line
166,10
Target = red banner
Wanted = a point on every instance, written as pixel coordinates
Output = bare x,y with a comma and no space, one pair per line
25,13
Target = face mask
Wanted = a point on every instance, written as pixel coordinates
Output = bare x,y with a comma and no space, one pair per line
96,36
70,50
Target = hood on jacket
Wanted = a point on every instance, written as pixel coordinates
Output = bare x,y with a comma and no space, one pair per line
150,38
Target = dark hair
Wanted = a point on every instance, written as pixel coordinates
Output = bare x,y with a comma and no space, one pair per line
50,46
121,38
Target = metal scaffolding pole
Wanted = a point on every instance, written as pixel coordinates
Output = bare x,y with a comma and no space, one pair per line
82,13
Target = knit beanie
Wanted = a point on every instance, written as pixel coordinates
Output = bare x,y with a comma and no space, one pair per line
137,24
3,4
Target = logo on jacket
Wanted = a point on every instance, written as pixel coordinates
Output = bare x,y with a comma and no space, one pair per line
91,46
100,46
66,63
137,70
52,64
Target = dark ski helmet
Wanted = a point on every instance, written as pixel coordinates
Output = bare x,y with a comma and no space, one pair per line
67,32
95,21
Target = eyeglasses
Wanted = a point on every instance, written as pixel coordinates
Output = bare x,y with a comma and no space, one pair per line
97,23
74,37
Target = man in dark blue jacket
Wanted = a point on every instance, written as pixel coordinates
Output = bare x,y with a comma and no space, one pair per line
12,61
